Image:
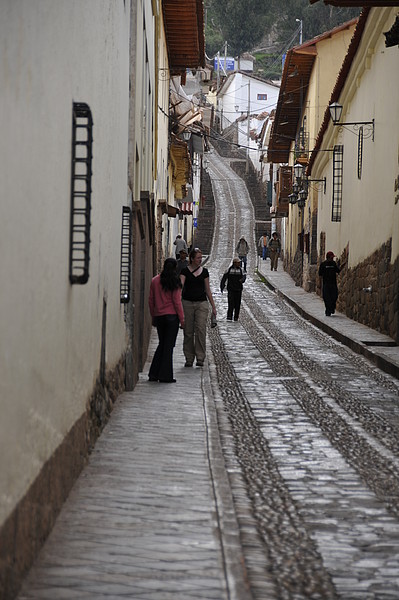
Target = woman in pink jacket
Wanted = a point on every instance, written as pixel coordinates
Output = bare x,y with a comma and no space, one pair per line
167,311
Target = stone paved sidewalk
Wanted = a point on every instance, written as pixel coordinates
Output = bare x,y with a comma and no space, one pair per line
146,519
151,517
377,347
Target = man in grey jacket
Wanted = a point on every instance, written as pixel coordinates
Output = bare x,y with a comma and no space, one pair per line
180,244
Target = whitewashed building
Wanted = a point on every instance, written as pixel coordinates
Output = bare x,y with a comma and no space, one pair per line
358,216
87,198
241,93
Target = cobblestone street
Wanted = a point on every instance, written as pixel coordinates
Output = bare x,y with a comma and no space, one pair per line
272,473
315,429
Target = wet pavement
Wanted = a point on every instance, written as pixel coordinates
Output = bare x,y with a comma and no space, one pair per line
377,347
270,473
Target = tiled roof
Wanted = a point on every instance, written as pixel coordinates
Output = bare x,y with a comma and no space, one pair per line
297,70
185,37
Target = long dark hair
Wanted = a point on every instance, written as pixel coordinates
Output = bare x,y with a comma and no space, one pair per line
169,278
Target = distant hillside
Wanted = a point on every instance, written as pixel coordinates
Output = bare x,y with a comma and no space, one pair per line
267,29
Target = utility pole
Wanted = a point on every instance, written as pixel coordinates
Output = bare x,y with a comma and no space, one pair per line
300,30
225,58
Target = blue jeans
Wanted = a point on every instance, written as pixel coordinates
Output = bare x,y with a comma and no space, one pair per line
243,260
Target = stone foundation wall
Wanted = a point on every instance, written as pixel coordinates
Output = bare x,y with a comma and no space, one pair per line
26,529
294,268
226,145
378,309
257,190
206,216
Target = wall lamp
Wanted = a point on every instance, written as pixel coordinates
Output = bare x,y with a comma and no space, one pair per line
305,181
300,187
299,198
186,134
335,114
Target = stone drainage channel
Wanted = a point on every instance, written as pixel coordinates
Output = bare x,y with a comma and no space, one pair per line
315,471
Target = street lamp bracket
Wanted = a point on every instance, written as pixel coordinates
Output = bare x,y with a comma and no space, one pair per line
367,127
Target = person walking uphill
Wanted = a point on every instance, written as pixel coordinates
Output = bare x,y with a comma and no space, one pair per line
180,244
263,245
274,249
166,311
242,250
195,297
234,278
328,271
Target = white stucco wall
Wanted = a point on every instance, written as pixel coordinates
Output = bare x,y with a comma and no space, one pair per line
369,213
235,93
55,52
331,52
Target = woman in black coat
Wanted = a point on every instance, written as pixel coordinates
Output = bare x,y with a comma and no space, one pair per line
234,278
328,271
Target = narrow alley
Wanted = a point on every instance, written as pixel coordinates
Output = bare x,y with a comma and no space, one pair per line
270,473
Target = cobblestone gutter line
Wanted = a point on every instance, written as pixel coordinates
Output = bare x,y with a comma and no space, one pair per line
237,583
363,366
295,563
378,472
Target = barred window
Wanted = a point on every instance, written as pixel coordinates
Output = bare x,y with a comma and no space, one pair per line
338,162
126,254
81,174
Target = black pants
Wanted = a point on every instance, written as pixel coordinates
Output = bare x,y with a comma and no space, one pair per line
330,295
234,303
162,363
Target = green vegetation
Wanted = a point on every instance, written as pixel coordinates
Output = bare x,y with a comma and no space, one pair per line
267,65
251,24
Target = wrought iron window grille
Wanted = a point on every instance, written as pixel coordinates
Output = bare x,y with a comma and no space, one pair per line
338,161
126,254
81,175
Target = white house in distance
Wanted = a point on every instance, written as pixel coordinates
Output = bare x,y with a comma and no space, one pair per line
242,94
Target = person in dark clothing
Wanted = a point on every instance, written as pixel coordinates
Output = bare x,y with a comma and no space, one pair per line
328,271
195,297
182,262
166,311
234,278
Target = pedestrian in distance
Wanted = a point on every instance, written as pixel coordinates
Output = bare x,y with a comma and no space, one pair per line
234,277
263,245
328,271
166,311
274,250
182,261
195,297
180,244
242,250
